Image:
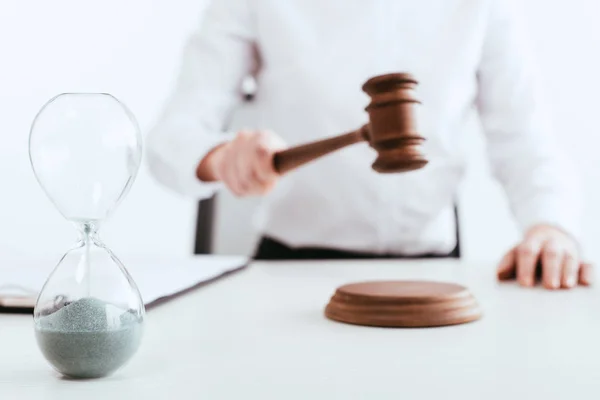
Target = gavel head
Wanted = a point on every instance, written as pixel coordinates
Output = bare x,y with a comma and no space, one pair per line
392,130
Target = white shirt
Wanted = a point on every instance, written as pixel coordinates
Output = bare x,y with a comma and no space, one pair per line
310,58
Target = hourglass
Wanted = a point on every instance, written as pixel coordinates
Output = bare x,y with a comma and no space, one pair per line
85,150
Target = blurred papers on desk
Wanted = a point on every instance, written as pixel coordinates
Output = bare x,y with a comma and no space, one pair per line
158,279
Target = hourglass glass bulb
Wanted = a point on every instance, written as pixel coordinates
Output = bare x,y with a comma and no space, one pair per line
85,151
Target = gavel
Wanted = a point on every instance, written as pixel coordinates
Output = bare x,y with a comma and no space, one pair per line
391,130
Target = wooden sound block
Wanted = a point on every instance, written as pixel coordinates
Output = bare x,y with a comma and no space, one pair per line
403,304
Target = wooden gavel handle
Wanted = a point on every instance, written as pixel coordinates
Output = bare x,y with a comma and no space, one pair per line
294,157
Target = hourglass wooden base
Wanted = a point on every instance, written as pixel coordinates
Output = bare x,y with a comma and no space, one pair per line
403,304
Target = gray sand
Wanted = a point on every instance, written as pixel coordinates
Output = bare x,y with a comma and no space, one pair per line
89,338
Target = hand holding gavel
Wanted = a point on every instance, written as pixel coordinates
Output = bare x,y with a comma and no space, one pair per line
253,161
245,164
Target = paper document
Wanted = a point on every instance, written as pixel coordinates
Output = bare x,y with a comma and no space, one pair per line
156,278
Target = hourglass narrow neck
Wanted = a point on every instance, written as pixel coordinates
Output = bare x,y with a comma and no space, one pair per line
88,232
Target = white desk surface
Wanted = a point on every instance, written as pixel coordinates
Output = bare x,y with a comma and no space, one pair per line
261,334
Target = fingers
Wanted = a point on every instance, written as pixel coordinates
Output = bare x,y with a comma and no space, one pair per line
527,257
242,164
246,166
570,271
507,267
260,152
552,261
264,147
585,274
230,169
547,254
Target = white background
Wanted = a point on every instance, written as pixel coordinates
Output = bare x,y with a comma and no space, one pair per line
131,49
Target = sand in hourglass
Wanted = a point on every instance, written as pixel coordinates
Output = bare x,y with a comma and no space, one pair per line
79,342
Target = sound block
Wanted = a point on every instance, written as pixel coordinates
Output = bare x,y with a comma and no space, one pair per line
403,304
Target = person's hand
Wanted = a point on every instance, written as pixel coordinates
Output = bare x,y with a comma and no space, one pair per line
550,250
244,164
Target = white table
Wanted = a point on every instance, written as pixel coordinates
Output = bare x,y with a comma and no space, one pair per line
261,334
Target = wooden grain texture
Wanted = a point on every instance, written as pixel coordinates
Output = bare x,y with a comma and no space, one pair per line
392,130
403,304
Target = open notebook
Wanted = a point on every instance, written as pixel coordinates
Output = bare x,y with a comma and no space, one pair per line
157,278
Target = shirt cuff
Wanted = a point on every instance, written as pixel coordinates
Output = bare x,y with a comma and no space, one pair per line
551,212
178,170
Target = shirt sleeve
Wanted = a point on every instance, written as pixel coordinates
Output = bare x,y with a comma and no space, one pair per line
540,180
216,59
